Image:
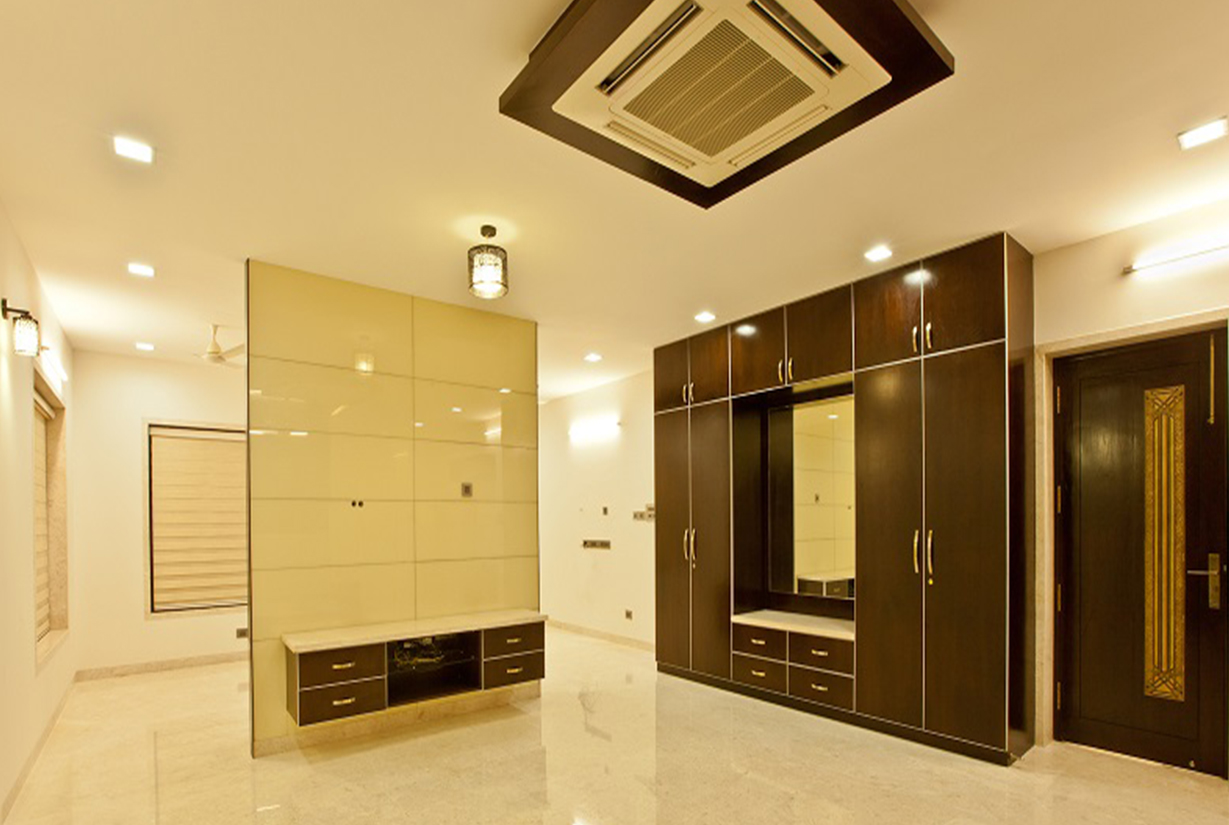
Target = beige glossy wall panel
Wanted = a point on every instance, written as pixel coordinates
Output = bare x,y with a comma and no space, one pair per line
448,587
305,397
456,412
286,601
466,346
303,317
269,715
322,465
314,533
497,473
474,530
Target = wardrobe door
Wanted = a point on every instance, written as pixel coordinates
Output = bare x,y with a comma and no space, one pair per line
757,352
710,365
710,517
670,376
964,296
888,459
819,332
673,523
966,545
888,316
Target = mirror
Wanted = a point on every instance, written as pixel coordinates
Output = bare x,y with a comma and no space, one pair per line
811,498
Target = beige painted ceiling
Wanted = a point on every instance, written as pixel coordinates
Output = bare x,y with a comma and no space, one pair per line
362,140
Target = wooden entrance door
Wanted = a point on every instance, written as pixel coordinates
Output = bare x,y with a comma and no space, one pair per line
1140,542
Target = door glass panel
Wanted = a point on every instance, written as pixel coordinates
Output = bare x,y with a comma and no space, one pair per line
1165,543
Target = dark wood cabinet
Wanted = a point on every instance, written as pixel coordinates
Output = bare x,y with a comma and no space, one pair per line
710,543
757,352
819,333
888,316
761,673
672,473
710,365
888,479
965,296
965,545
671,376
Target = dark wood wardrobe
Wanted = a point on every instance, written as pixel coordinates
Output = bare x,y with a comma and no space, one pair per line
938,356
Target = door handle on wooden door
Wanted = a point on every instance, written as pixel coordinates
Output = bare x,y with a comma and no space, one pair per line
916,535
693,547
1212,574
930,556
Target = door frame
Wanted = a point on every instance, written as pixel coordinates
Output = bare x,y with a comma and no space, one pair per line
1044,573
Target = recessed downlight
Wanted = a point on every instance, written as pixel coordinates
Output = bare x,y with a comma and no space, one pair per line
705,317
505,391
456,409
133,149
140,270
144,346
593,357
1206,133
878,254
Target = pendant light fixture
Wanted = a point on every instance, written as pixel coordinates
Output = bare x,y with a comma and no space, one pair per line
488,268
25,329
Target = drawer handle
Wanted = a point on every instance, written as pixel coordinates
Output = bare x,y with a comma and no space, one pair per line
514,640
342,665
341,703
760,642
512,671
815,652
759,674
820,688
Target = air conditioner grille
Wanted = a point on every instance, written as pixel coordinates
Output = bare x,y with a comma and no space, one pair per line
724,89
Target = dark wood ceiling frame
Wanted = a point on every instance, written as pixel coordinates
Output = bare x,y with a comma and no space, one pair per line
890,30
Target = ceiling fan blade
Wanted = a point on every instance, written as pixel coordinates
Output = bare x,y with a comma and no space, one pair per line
233,351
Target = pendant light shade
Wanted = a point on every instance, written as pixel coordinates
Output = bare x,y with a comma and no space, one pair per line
25,330
488,268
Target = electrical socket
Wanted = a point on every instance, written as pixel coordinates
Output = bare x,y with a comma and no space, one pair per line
627,614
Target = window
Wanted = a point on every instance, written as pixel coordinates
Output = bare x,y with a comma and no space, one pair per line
43,413
198,518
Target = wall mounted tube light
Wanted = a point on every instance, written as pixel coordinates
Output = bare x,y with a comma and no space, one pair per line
25,329
1139,266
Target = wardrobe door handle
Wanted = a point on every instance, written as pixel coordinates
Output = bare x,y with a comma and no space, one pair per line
789,369
693,547
781,371
930,555
691,393
915,341
685,534
916,535
684,394
930,338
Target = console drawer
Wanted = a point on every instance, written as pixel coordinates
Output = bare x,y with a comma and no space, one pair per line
340,701
347,664
759,641
821,652
501,641
510,670
825,688
760,672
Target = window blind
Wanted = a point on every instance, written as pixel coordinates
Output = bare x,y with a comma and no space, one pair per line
42,543
198,518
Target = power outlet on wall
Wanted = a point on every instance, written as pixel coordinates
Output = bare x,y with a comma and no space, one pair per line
241,632
627,614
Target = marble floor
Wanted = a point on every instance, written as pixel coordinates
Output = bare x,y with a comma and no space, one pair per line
610,742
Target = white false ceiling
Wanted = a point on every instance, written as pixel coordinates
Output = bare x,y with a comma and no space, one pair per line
362,140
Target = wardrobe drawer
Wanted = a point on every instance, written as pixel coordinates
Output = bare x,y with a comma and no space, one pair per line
501,641
340,701
821,652
760,673
825,688
759,641
527,667
347,664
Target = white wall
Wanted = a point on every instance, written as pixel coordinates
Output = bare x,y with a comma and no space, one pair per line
1080,289
31,691
116,398
592,588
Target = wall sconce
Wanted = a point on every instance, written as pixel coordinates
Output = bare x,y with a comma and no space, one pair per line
25,329
594,430
1139,266
488,268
